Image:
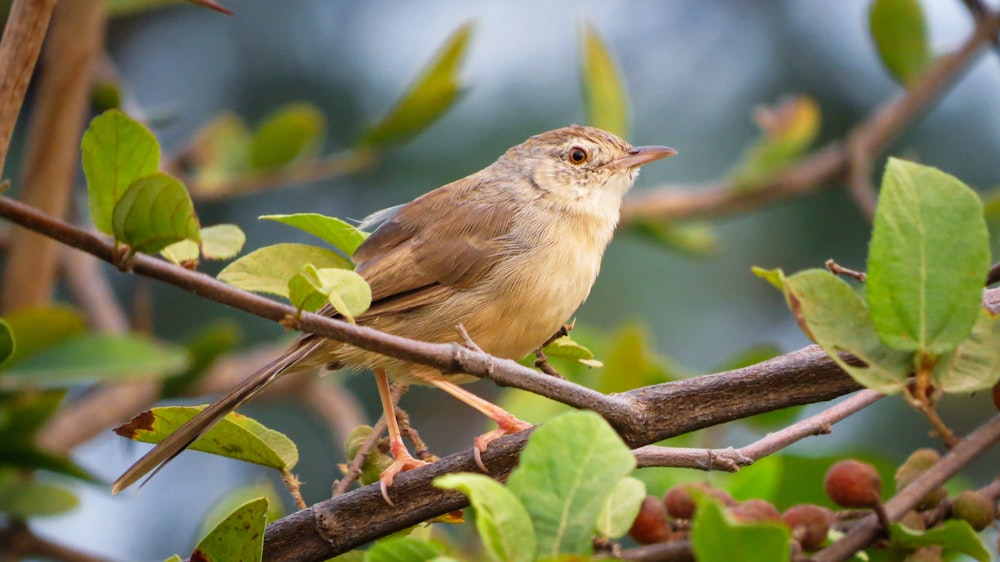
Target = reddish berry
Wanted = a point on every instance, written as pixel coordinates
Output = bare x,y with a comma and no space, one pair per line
651,524
752,511
679,502
973,507
852,483
809,524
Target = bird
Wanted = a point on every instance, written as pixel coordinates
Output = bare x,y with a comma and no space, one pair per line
508,253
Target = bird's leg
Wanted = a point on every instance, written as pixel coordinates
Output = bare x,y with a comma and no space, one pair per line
507,421
402,460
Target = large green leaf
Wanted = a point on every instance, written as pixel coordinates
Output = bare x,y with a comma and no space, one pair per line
833,316
603,90
427,99
21,497
24,455
93,357
117,150
335,232
269,269
503,523
238,537
234,498
568,469
928,259
403,549
236,436
900,34
714,536
289,133
346,291
36,329
153,213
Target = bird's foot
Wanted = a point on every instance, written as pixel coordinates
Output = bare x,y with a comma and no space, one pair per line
508,425
402,461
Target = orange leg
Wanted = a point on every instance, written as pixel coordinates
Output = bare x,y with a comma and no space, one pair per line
508,422
402,460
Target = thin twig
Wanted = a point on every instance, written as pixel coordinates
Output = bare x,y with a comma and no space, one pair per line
396,392
837,269
732,459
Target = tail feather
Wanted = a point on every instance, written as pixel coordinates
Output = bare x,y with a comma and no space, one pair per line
175,443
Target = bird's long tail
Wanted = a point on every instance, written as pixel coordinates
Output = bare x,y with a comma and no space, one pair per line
176,442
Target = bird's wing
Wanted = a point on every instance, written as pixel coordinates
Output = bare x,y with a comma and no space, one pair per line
444,239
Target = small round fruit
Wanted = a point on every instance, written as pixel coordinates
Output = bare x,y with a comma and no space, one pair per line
974,508
754,510
852,483
651,525
679,502
809,524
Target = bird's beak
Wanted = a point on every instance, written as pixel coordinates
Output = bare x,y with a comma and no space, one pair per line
643,155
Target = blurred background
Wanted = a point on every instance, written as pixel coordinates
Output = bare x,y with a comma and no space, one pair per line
695,70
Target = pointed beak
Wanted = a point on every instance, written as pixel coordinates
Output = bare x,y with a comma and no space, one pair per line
643,155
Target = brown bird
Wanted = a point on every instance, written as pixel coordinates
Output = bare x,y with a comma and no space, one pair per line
509,252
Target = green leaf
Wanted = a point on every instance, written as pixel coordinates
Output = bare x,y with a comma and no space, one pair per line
569,467
6,342
714,536
975,364
153,213
693,238
24,413
621,508
218,151
289,133
503,523
269,269
234,498
222,241
303,295
403,549
603,89
789,129
26,456
22,497
218,242
96,357
952,534
117,150
335,232
346,291
900,34
427,99
236,436
928,259
239,537
36,329
833,316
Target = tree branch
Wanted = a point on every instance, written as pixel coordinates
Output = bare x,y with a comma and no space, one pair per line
827,164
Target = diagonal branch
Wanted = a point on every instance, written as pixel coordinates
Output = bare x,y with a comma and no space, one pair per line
827,164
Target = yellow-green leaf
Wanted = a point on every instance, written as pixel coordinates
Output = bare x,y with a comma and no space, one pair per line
603,90
236,436
335,232
240,536
153,213
427,99
269,269
900,34
117,150
289,133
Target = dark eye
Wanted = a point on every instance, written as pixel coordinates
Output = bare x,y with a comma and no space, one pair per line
578,155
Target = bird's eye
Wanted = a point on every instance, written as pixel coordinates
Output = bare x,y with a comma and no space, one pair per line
578,155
